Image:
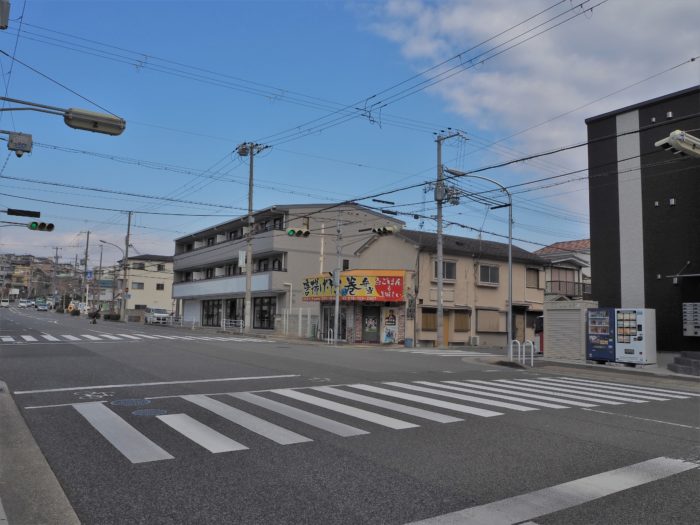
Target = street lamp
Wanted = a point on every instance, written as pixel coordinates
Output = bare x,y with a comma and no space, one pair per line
75,118
680,143
456,173
122,304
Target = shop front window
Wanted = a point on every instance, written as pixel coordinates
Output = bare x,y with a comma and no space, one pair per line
211,313
235,309
264,309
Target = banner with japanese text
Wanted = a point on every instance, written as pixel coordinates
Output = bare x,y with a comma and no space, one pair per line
357,285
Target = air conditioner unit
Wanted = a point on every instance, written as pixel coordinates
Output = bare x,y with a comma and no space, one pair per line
474,340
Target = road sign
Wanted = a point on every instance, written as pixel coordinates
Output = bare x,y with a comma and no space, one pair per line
89,275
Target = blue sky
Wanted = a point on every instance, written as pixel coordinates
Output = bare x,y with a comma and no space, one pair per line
194,79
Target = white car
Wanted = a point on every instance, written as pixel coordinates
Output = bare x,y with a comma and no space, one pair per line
23,303
156,316
4,303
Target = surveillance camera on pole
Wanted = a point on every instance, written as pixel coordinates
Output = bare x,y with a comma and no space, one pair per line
680,143
4,13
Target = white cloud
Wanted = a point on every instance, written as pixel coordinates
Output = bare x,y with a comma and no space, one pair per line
591,56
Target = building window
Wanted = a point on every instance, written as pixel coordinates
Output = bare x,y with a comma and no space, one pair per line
346,264
449,270
488,321
264,312
532,278
161,267
277,223
235,309
211,313
463,320
488,274
140,307
264,265
211,241
429,319
136,286
187,277
277,264
160,286
138,266
209,273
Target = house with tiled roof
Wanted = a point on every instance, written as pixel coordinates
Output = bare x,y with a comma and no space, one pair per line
568,272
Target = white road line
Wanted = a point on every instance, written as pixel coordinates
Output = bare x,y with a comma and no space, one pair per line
71,337
136,447
254,424
428,401
462,397
390,405
111,337
348,410
484,386
7,339
50,337
577,390
633,387
529,387
205,437
29,338
148,336
559,497
91,337
157,383
643,419
128,336
467,390
609,390
335,427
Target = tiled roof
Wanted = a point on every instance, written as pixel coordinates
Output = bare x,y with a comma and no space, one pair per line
583,245
470,247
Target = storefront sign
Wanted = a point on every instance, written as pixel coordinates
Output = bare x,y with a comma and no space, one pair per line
357,285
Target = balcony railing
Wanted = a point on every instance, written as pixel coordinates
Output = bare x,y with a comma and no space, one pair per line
568,289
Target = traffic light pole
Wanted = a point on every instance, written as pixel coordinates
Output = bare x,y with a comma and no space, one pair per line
87,245
125,284
336,279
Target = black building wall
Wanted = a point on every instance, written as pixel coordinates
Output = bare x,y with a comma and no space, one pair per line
670,189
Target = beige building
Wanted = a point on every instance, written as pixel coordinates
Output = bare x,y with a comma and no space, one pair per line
150,282
475,286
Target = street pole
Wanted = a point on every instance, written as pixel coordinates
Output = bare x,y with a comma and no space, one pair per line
53,277
125,264
336,279
87,245
247,306
99,277
439,198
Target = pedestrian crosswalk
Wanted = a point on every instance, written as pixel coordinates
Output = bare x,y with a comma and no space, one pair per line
438,352
108,337
347,411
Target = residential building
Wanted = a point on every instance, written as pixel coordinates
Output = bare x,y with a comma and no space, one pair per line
150,282
475,291
568,272
644,215
210,280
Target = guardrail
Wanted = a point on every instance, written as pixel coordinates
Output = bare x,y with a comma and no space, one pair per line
522,352
233,325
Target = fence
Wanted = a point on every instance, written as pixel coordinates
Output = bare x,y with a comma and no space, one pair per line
233,325
298,322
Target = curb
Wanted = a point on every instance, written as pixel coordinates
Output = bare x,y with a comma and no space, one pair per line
29,490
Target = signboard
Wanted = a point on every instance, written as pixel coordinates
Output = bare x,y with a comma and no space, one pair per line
357,285
89,275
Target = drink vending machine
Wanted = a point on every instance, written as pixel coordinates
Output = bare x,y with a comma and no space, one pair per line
600,334
622,335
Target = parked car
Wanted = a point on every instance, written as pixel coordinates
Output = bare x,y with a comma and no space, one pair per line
42,307
4,303
156,316
23,303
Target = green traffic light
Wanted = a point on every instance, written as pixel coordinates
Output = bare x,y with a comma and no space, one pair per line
291,232
34,225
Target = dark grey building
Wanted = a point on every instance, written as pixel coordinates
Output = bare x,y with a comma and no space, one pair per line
645,213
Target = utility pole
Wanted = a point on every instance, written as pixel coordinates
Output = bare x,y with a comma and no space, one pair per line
323,245
99,277
440,194
249,149
53,276
85,283
125,263
336,280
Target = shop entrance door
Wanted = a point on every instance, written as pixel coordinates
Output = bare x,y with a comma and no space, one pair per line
370,324
329,321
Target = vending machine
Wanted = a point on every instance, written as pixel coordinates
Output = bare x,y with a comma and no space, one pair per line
600,334
635,335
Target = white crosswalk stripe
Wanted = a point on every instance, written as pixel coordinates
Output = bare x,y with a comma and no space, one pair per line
576,390
607,390
630,388
138,448
107,337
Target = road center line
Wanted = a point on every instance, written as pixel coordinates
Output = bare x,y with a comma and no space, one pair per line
158,383
559,497
642,419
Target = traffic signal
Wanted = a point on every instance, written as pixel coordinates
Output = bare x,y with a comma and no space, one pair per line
384,230
298,232
40,226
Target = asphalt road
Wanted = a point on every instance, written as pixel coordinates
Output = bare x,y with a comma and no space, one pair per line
145,424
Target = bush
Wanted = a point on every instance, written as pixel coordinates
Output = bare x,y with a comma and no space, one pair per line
75,311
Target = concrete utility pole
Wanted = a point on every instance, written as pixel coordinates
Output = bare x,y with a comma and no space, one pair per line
440,194
125,284
249,149
85,283
336,280
99,277
53,276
